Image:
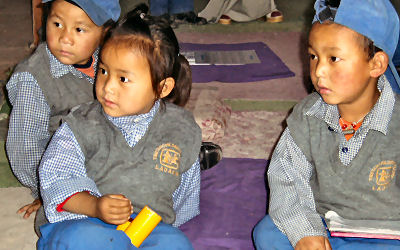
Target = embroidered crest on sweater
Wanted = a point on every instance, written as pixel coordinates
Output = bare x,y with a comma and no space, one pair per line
167,157
382,174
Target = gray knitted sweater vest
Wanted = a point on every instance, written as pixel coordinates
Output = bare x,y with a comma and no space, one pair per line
148,173
61,93
369,187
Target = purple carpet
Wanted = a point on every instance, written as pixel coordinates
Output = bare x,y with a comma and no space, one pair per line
271,66
232,201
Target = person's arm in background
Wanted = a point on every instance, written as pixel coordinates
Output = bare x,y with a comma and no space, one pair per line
27,134
187,197
292,205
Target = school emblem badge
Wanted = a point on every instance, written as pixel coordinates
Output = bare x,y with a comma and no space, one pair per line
167,157
382,174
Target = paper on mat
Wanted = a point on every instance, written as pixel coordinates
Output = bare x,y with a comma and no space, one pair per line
232,57
337,223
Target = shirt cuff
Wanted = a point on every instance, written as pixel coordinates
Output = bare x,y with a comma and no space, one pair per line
59,191
297,231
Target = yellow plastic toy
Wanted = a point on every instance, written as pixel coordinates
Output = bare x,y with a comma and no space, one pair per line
139,228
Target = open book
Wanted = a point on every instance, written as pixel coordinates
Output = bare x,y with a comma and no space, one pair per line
340,227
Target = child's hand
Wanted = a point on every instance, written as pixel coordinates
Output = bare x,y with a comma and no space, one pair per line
313,243
30,208
114,208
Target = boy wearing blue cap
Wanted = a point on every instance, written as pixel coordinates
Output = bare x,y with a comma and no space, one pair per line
56,77
340,149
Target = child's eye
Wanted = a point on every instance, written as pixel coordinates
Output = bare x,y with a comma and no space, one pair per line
312,56
124,79
58,25
103,71
80,30
335,59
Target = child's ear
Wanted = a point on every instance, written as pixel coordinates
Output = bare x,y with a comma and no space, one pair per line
167,86
379,64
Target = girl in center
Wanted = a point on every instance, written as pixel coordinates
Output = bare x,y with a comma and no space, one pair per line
133,146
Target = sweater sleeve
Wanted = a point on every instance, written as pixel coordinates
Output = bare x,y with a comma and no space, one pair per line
292,205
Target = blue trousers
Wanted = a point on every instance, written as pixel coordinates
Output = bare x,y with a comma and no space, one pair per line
92,233
160,7
267,236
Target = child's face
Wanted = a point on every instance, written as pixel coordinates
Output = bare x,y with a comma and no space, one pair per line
71,35
339,66
123,85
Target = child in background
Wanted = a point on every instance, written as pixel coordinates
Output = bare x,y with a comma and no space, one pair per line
58,76
341,147
130,148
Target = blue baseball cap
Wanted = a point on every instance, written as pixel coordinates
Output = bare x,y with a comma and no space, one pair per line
100,11
374,19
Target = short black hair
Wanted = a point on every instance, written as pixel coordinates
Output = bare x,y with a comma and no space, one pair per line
153,38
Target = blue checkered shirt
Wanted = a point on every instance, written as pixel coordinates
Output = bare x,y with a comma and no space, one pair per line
62,171
292,205
28,133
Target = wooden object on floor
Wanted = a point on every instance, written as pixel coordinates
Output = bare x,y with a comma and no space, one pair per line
37,13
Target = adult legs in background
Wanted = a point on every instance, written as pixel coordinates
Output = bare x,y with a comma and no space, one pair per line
181,6
176,11
275,16
160,7
241,11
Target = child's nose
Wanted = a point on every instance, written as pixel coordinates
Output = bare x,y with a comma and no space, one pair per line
66,37
320,68
109,85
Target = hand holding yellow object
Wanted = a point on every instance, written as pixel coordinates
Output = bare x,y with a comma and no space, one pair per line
141,226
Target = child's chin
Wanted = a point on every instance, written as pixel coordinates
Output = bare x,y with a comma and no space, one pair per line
65,61
110,112
329,101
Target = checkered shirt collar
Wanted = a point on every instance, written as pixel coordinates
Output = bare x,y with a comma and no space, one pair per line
129,123
58,69
378,118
